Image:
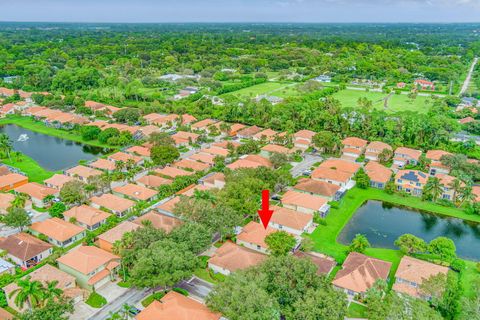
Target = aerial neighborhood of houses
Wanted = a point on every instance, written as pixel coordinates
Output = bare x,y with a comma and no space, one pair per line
77,249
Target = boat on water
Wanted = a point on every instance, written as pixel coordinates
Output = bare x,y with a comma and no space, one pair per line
23,137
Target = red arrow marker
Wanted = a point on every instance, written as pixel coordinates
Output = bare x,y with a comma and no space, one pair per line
265,214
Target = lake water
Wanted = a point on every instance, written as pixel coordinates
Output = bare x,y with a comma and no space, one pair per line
383,223
51,153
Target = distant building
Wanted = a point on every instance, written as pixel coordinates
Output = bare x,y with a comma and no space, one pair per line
424,84
323,78
272,99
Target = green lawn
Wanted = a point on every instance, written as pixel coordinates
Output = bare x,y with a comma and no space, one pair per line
96,300
209,276
30,167
397,102
356,310
279,89
155,296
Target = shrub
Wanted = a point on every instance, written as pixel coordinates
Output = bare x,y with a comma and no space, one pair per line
458,265
181,291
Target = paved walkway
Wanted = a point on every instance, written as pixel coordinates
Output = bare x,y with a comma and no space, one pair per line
466,83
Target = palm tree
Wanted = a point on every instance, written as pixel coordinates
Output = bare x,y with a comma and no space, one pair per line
456,185
466,194
5,144
20,200
433,188
51,292
28,291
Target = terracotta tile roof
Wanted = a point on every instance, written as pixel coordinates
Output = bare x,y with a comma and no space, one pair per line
476,192
149,130
153,181
352,150
176,306
11,179
224,144
202,124
103,164
304,200
378,172
415,270
243,163
412,153
4,171
183,137
117,232
446,180
259,159
6,200
159,221
249,131
124,157
216,151
203,157
36,190
187,118
317,187
255,233
331,174
276,148
152,117
324,264
191,164
24,246
83,172
172,172
233,257
341,165
169,205
5,315
290,218
44,274
136,191
359,272
354,142
436,154
138,150
113,202
412,175
86,215
217,176
466,120
57,229
267,134
190,190
58,180
86,259
236,127
305,134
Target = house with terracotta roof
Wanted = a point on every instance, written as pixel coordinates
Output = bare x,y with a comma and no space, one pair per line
353,147
323,263
329,191
203,125
87,217
411,181
11,181
336,171
152,117
379,174
103,164
37,192
176,306
375,148
253,236
183,138
406,156
171,172
135,192
291,221
250,161
92,267
139,151
448,193
436,166
167,205
216,151
125,157
59,232
305,203
115,204
187,118
359,273
145,132
107,239
6,200
248,132
266,135
235,128
25,250
190,165
57,181
270,149
303,139
213,180
159,221
82,173
203,158
412,272
152,181
46,274
466,120
424,84
190,190
231,257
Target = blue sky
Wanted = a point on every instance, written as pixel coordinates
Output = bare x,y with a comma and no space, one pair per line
241,10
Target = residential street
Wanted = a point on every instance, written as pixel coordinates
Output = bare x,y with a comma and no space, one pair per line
37,217
131,297
308,161
466,83
198,288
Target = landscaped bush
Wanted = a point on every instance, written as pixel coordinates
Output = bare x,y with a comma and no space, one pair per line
203,261
96,300
458,265
156,296
181,291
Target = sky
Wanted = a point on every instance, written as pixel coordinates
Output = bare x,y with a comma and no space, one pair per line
241,10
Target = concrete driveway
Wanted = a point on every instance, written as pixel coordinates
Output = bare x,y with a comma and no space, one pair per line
308,161
198,288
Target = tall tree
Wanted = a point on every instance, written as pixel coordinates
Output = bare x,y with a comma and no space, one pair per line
30,292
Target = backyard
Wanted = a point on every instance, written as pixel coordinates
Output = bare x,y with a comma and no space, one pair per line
279,89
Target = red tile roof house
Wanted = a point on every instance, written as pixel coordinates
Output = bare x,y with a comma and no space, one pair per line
303,139
359,272
305,203
171,172
57,181
353,147
404,156
204,158
250,161
436,166
191,165
326,190
424,84
103,164
87,217
412,272
139,151
37,192
135,192
11,181
115,204
107,239
248,132
213,180
125,157
374,149
183,138
291,221
231,257
152,181
203,125
159,221
411,181
336,171
466,120
167,205
59,232
6,200
270,149
324,263
25,250
253,236
379,175
82,173
446,181
92,267
267,135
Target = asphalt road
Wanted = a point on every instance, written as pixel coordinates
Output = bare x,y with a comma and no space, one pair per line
196,287
308,161
131,297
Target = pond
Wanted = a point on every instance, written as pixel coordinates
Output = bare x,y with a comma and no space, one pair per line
383,223
51,153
